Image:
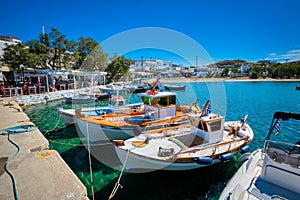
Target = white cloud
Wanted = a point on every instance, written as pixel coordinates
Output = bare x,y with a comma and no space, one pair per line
291,55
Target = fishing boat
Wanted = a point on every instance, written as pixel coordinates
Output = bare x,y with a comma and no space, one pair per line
81,99
272,172
116,104
102,95
175,87
160,109
205,141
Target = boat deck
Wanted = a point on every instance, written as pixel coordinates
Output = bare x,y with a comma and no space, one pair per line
127,119
266,190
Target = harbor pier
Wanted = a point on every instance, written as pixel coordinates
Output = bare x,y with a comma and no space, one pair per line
28,168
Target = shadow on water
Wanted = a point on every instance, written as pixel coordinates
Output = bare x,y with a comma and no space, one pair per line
202,183
192,184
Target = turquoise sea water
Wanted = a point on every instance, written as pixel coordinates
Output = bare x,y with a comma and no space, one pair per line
233,99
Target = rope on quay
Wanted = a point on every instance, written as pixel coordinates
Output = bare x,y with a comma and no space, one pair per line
7,164
15,130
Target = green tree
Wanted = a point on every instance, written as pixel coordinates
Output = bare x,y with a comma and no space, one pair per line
96,60
225,71
15,55
118,68
85,46
58,55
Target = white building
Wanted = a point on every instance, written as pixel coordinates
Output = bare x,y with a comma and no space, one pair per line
146,65
245,68
7,40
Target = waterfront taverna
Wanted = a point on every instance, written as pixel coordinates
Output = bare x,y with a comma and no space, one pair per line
15,83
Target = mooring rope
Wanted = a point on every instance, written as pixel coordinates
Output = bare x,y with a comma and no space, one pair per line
117,185
80,145
54,128
90,162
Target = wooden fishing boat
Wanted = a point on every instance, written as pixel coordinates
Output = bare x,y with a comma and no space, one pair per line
174,87
272,172
116,104
159,110
205,141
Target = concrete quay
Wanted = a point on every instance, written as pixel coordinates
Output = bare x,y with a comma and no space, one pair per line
39,173
28,100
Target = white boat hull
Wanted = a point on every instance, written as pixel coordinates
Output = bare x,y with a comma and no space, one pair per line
67,117
142,163
96,132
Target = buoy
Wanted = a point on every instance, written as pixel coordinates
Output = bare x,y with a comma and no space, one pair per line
244,157
203,160
226,156
244,149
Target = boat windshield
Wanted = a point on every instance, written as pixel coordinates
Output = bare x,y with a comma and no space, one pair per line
162,101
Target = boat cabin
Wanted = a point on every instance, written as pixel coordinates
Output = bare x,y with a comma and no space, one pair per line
210,127
117,101
162,104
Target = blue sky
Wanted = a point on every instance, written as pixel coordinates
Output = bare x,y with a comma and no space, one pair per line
227,29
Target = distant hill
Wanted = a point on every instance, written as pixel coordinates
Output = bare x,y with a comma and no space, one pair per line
230,62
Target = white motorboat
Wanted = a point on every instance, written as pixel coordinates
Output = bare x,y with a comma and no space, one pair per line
270,173
207,140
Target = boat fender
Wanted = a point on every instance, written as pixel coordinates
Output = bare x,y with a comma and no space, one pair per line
244,149
203,160
244,157
226,156
100,112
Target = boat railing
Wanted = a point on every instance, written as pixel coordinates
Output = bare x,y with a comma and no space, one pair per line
212,146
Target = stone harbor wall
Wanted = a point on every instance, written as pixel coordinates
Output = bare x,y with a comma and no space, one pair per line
28,100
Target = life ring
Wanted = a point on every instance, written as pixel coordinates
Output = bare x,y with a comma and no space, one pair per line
152,92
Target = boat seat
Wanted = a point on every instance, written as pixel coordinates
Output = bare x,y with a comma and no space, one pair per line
277,155
294,160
